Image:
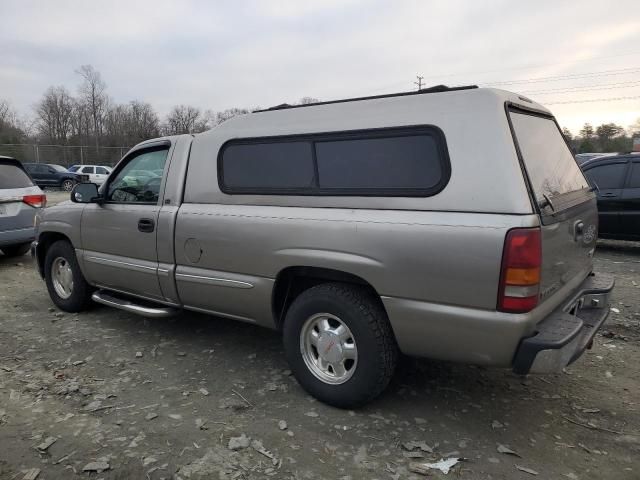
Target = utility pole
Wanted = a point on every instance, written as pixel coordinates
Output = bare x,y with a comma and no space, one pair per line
419,82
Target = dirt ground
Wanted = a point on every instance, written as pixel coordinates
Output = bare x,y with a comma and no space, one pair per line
168,398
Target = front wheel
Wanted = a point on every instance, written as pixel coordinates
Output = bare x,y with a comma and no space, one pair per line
339,344
66,285
67,185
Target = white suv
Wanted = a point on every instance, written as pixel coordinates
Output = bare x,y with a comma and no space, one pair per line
97,173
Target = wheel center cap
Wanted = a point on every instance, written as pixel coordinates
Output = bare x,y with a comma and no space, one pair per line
329,347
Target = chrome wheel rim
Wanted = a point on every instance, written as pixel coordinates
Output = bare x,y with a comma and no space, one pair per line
67,185
62,277
328,348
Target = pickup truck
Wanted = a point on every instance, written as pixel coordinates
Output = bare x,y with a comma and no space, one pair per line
450,223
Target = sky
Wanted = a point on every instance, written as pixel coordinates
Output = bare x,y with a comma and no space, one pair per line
217,55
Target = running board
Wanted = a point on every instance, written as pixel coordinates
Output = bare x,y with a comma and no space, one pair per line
110,300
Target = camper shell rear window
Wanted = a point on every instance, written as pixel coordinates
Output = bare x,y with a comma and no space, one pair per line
405,161
555,178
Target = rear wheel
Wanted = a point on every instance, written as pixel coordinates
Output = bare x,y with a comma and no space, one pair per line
67,185
66,285
16,250
339,344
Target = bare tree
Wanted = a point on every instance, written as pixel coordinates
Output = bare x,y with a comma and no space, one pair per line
5,111
230,113
143,121
132,123
183,119
81,122
634,129
307,101
12,130
55,114
93,94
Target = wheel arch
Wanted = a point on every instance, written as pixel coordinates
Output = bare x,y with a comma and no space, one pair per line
45,240
293,280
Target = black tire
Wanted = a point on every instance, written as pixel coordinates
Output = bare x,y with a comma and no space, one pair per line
80,297
364,315
16,250
67,184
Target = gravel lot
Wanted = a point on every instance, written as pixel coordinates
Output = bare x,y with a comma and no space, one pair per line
168,398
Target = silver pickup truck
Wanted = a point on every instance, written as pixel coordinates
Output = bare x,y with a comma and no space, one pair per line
450,223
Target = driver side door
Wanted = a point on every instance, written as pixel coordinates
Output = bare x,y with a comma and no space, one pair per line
119,234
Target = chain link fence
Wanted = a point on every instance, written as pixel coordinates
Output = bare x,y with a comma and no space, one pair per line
65,155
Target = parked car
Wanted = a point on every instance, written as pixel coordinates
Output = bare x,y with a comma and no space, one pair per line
616,180
45,175
80,177
20,199
447,223
97,173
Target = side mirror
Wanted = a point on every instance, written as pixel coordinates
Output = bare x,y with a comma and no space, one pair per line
85,193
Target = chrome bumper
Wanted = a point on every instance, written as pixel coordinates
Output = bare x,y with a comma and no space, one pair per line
563,336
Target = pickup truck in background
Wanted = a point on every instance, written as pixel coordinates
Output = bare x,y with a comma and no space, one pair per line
433,223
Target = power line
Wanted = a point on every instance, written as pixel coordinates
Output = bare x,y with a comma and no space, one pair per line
524,67
568,77
584,88
419,82
603,73
593,100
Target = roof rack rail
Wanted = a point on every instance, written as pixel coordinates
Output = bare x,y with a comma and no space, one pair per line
434,89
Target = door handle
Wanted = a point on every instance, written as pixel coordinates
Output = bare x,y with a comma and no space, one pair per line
146,225
608,194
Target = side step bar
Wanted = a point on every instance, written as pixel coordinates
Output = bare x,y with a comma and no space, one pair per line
106,298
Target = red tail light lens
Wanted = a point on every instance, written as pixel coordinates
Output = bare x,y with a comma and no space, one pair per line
37,201
520,276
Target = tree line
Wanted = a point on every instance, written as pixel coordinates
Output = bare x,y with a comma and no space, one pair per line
91,117
608,137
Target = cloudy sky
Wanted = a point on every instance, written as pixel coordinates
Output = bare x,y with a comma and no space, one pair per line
260,53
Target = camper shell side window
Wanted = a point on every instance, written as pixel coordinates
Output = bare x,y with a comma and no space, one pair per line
406,162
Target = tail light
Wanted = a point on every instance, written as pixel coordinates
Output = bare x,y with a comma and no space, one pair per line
37,201
520,276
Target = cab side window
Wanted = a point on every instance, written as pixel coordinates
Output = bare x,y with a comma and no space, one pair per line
101,171
87,170
140,178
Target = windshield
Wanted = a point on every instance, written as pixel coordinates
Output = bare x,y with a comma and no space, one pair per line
550,164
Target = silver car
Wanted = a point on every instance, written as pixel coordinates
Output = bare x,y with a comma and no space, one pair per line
20,199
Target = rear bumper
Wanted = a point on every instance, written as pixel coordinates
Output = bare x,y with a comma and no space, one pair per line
564,335
14,237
